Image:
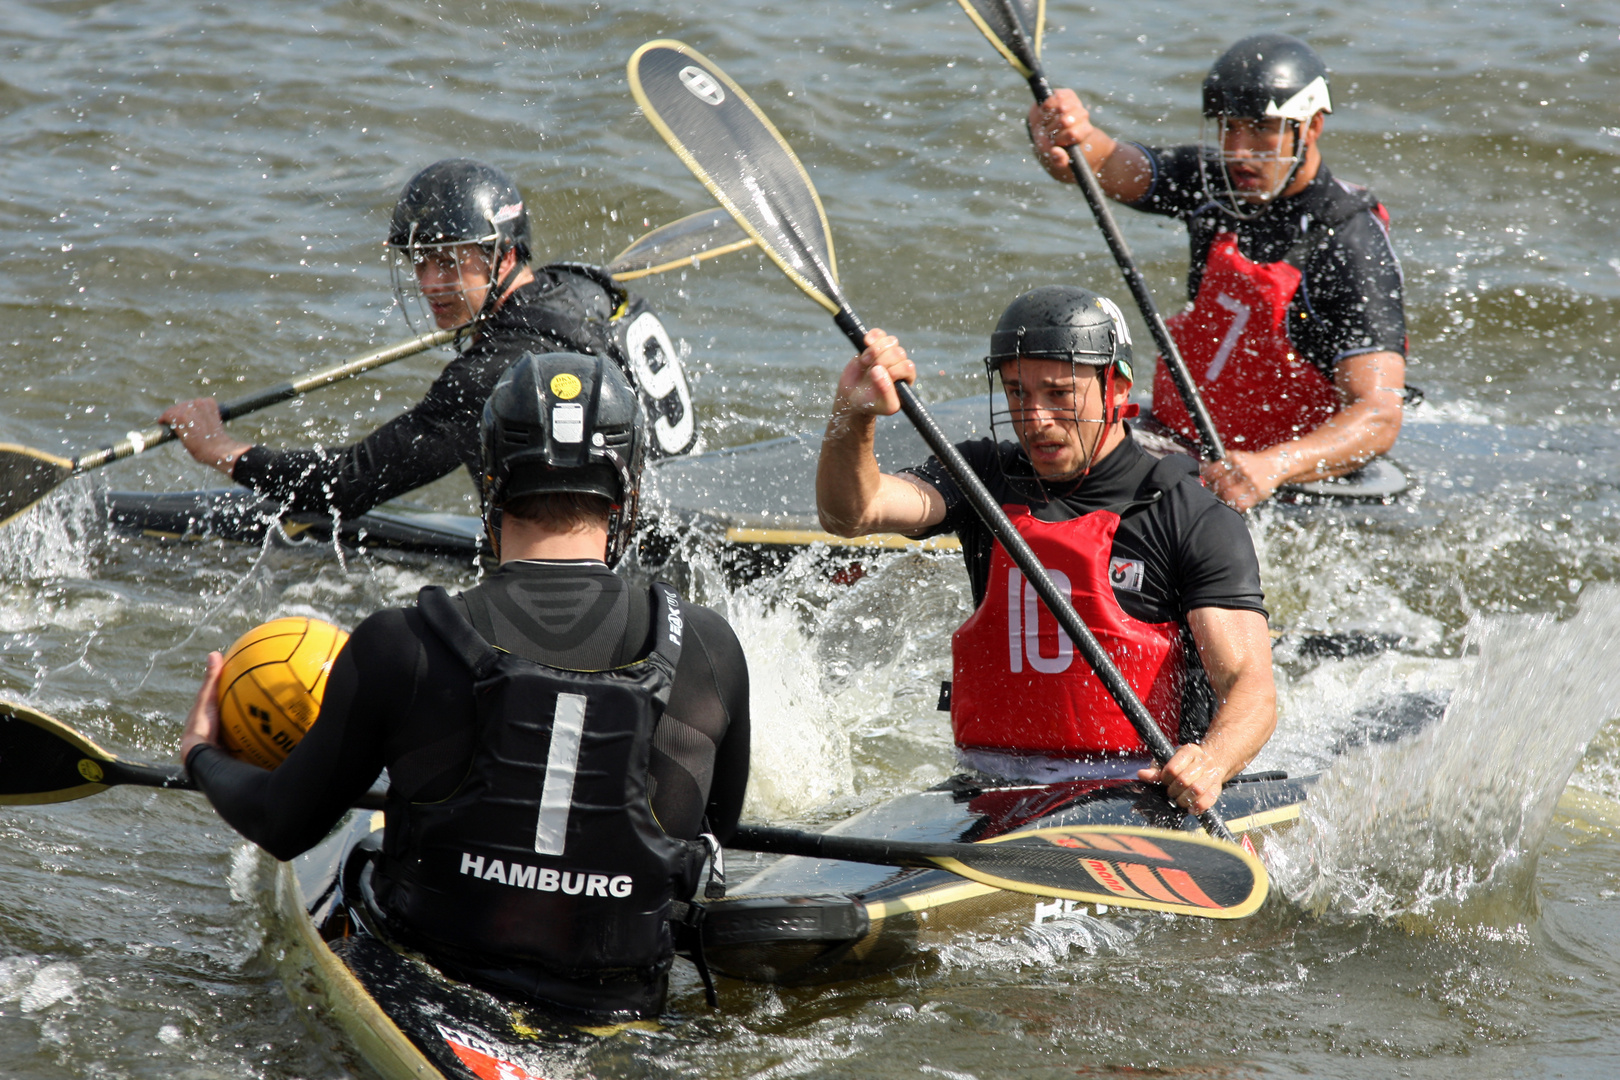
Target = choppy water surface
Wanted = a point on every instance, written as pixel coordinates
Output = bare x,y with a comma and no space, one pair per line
193,196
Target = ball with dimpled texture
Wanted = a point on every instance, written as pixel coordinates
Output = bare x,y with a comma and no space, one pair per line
270,688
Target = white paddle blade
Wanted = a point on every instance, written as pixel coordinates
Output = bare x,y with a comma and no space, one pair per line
1014,27
734,149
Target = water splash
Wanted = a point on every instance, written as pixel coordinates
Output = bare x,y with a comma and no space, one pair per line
1446,827
53,539
801,753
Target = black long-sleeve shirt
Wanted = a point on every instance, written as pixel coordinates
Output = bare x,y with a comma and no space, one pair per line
558,311
398,697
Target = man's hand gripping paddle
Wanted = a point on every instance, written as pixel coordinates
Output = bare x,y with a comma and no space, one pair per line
43,761
28,475
730,145
1014,28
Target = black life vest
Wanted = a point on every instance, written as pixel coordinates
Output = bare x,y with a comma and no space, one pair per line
627,330
548,857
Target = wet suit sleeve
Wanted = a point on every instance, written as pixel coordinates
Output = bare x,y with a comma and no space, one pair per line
1178,183
291,809
413,449
1352,296
702,743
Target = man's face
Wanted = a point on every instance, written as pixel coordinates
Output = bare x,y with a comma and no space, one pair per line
454,279
1259,154
1058,412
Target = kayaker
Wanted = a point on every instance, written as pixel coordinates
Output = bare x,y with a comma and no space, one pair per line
1296,333
1161,572
460,244
557,739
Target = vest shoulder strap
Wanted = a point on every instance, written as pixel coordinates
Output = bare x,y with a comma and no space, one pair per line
619,294
442,616
1344,203
671,623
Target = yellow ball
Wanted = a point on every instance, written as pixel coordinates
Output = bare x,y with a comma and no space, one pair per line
270,690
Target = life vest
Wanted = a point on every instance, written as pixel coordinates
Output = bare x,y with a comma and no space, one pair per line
548,855
1018,684
1234,338
634,337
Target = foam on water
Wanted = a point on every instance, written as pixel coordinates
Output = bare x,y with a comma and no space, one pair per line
1446,826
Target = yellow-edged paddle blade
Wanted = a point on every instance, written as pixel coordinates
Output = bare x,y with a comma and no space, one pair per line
43,760
1157,869
1014,27
737,153
688,241
27,476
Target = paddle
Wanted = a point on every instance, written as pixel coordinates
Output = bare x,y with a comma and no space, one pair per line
28,475
732,147
1008,25
43,761
1157,869
688,241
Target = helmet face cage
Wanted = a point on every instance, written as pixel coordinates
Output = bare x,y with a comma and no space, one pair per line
1008,421
1246,205
454,257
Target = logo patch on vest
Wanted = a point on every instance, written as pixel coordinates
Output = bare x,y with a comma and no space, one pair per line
1126,574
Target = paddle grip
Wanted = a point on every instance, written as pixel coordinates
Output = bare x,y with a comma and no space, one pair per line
1209,439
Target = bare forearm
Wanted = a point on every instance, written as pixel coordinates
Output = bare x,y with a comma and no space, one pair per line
1346,442
847,476
1243,723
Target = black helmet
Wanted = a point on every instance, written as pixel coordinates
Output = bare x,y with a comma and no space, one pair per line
460,201
1268,75
565,423
1063,322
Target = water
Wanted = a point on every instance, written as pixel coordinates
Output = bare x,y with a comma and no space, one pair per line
192,199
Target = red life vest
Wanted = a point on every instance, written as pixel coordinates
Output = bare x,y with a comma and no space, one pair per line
1234,337
1018,685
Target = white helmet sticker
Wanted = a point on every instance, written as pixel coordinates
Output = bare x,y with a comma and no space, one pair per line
1305,104
507,212
568,422
703,86
1118,316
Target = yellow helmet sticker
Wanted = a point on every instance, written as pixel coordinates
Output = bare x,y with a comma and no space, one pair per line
565,386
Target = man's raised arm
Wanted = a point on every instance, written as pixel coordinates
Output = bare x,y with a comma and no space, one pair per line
853,496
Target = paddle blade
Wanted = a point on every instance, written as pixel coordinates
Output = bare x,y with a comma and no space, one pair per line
1014,27
27,476
44,761
1157,869
733,148
686,242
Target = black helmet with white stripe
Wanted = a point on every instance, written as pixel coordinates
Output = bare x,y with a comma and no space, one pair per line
1268,75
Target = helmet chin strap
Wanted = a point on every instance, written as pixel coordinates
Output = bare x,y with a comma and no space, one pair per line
497,290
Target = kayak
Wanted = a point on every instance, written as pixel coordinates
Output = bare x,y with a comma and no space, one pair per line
394,1011
799,921
757,501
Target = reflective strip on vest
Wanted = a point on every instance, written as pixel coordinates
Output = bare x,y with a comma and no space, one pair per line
1234,338
562,760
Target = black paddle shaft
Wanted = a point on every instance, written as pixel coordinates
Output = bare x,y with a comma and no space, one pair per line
995,519
1208,438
